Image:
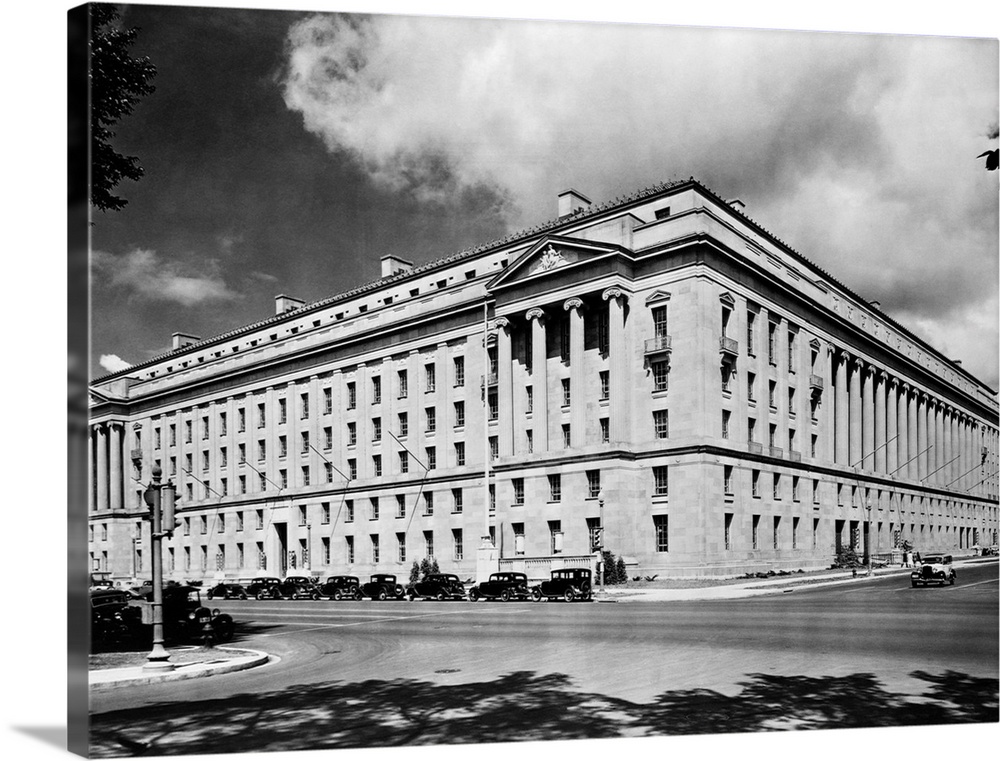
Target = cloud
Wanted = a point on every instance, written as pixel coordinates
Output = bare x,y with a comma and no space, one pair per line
145,274
113,363
857,150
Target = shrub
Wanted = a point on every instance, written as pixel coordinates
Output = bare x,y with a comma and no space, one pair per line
425,568
415,572
621,574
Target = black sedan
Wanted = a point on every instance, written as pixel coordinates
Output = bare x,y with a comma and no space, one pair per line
568,584
383,586
506,586
437,586
227,591
341,588
296,588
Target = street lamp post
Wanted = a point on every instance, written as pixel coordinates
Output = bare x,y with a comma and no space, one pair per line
600,548
868,549
158,658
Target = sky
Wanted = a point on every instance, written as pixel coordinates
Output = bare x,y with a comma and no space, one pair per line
286,152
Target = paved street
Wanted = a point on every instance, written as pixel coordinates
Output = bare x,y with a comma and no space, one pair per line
871,652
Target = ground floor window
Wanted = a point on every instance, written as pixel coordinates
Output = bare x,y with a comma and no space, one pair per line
457,544
729,530
518,529
755,528
662,534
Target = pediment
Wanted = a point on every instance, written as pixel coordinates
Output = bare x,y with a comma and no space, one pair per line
553,254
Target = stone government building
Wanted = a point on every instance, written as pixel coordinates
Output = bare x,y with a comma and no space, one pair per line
659,361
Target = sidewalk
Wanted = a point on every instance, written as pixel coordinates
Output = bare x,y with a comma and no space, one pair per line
755,587
230,659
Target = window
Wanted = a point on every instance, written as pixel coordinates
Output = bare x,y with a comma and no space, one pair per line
305,475
404,425
564,338
605,431
305,442
204,524
283,478
659,321
751,429
430,415
259,519
661,371
494,444
726,315
377,389
812,445
492,401
349,547
491,357
566,435
791,439
204,427
662,534
400,506
173,433
728,527
795,488
660,426
282,411
325,512
156,438
302,515
403,384
459,453
772,343
815,492
352,395
282,446
429,378
772,435
726,415
755,483
791,402
772,387
376,429
555,488
349,511
602,331
303,406
565,392
375,548
328,438
327,401
187,431
429,544
777,486
374,508
593,484
795,533
352,469
401,547
518,485
727,479
457,502
328,468
430,453
530,391
555,537
605,387
428,503
459,371
377,465
223,487
459,414
404,462
751,382
173,466
755,532
661,482
529,441
751,318
777,532
204,460
791,351
518,529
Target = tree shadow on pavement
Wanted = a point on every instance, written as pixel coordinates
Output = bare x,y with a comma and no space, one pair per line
524,706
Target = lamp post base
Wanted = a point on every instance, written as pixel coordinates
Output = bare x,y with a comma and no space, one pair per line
158,660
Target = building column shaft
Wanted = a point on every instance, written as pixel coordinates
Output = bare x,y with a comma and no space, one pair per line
842,453
854,424
115,482
91,479
577,378
102,468
922,459
539,384
890,415
617,366
505,392
868,442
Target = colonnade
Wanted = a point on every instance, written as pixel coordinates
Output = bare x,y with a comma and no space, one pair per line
105,455
886,425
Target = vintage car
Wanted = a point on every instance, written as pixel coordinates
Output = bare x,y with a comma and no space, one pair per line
341,588
227,590
506,585
185,618
113,620
296,588
140,589
567,583
383,586
439,586
261,587
934,569
101,580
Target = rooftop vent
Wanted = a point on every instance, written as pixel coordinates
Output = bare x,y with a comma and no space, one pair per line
570,202
184,339
737,204
285,303
394,264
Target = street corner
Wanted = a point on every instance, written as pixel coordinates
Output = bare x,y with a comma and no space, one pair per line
228,660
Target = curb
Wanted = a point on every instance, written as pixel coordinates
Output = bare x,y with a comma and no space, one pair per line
109,678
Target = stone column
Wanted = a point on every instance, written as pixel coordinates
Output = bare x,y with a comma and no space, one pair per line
878,382
855,425
912,438
539,381
890,413
842,447
937,439
91,480
922,456
115,480
102,467
949,447
868,443
505,388
618,365
577,377
827,408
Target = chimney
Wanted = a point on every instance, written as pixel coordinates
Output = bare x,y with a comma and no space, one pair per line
184,339
737,204
285,303
392,265
570,202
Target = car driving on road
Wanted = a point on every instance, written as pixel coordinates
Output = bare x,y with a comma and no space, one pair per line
934,569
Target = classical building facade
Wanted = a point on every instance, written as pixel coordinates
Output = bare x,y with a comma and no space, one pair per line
660,367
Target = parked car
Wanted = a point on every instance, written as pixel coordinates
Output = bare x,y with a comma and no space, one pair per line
506,585
439,586
934,569
296,588
141,589
227,590
341,587
261,587
184,617
383,586
113,620
567,583
101,580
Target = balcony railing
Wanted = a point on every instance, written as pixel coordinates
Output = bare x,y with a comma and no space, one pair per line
755,448
776,451
794,456
816,382
658,344
136,454
492,378
729,346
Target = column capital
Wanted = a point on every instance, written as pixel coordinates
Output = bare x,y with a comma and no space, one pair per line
880,374
859,363
535,313
500,323
573,303
614,293
893,382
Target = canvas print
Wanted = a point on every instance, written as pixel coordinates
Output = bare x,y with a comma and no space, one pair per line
469,380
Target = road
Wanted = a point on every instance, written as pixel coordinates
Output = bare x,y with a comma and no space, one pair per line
868,653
